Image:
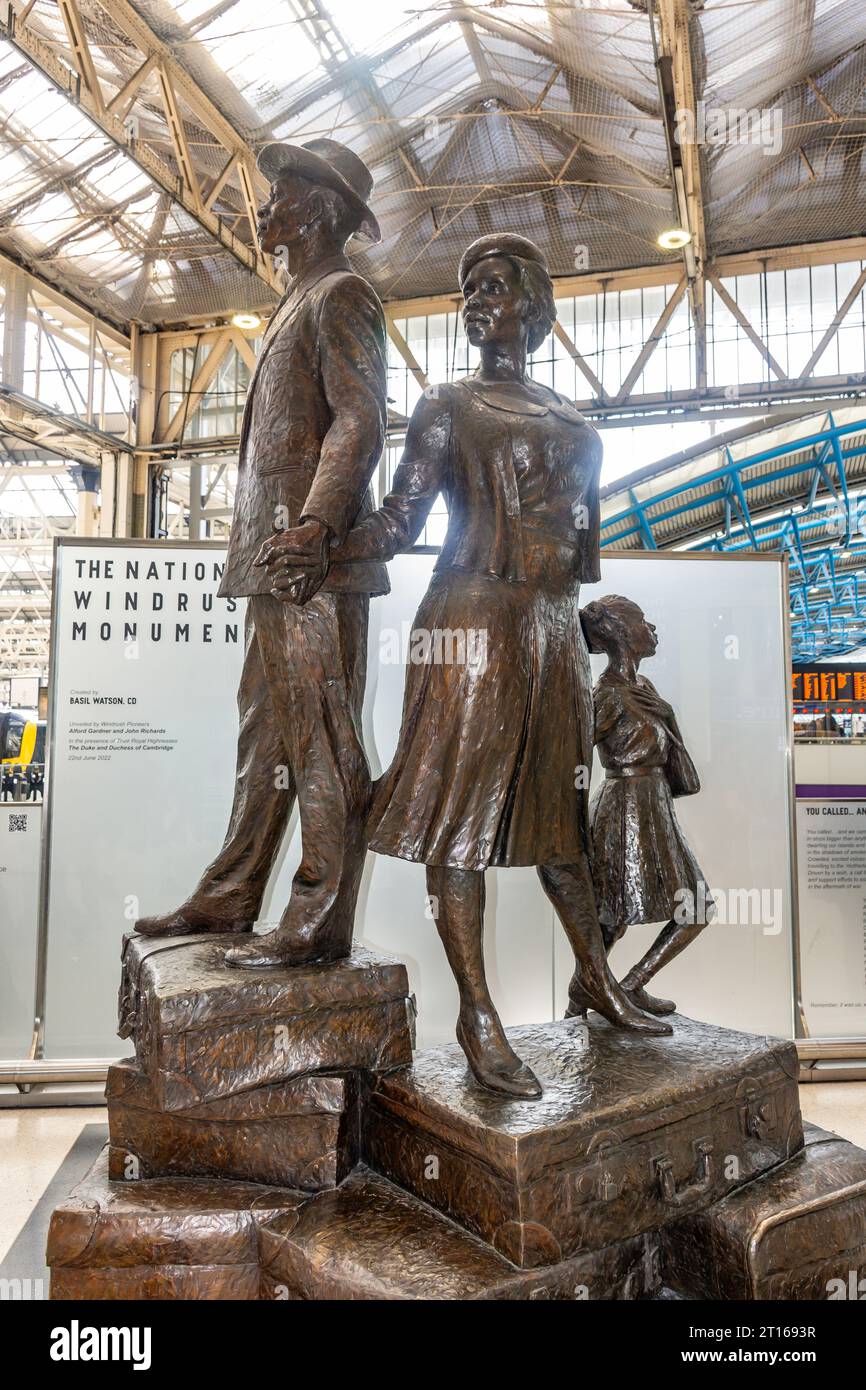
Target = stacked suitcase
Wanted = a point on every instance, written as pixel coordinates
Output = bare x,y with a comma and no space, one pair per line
270,1140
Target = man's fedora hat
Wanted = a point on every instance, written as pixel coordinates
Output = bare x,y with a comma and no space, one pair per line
332,164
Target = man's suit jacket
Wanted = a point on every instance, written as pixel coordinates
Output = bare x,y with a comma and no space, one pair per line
313,426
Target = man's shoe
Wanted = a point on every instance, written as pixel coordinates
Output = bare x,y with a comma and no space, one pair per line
280,948
187,922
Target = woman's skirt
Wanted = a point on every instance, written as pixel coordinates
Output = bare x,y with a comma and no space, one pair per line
496,740
642,867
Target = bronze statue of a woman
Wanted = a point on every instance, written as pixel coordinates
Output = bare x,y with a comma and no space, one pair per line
491,763
642,866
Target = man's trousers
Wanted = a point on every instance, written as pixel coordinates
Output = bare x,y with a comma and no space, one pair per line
299,703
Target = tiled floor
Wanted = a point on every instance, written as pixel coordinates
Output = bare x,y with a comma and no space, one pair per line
34,1144
837,1105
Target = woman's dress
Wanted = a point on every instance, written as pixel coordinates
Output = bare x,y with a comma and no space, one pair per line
492,762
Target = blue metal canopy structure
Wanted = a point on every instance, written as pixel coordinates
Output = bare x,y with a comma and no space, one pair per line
799,489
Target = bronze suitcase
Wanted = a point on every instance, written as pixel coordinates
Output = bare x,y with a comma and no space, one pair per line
798,1232
203,1031
162,1238
301,1133
631,1133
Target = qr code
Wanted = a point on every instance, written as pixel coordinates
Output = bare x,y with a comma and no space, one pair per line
17,823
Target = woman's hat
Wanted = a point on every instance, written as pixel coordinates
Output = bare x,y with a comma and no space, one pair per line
332,164
504,244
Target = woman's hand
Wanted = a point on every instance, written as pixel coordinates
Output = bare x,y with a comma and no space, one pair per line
297,561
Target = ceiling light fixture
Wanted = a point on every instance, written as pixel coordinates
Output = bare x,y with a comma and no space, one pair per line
246,321
674,239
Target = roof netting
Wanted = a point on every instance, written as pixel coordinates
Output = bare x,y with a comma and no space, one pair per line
542,118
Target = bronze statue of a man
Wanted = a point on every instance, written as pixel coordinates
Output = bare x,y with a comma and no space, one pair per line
311,437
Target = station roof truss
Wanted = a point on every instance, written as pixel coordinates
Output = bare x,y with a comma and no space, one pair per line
128,192
797,489
130,134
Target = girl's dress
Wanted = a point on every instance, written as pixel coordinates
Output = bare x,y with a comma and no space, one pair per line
642,866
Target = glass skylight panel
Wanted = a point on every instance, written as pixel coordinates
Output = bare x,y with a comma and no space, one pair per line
440,74
345,115
14,171
265,51
368,28
51,218
119,179
47,116
188,11
96,243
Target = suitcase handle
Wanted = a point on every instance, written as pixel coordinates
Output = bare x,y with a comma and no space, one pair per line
702,1181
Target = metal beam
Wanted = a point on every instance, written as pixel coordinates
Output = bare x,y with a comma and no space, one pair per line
676,44
178,135
834,326
652,342
581,362
202,379
405,351
45,58
122,100
81,50
221,179
733,307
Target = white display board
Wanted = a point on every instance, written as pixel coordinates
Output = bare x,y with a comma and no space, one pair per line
722,662
145,663
20,840
140,791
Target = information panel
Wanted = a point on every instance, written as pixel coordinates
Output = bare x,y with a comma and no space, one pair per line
145,665
831,860
20,837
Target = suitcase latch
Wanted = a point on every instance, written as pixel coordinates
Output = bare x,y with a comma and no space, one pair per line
698,1184
600,1183
759,1117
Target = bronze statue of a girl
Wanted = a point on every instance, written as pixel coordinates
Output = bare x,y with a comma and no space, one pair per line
492,756
642,866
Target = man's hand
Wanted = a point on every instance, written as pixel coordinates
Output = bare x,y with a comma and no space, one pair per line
297,561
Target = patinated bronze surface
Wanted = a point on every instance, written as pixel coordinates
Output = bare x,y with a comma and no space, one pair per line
631,1132
371,1240
642,866
311,437
301,1133
203,1032
570,1198
798,1232
484,773
170,1238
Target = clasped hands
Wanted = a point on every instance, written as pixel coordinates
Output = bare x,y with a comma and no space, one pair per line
297,561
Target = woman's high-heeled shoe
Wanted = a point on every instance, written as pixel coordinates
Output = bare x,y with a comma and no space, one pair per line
626,1014
517,1082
